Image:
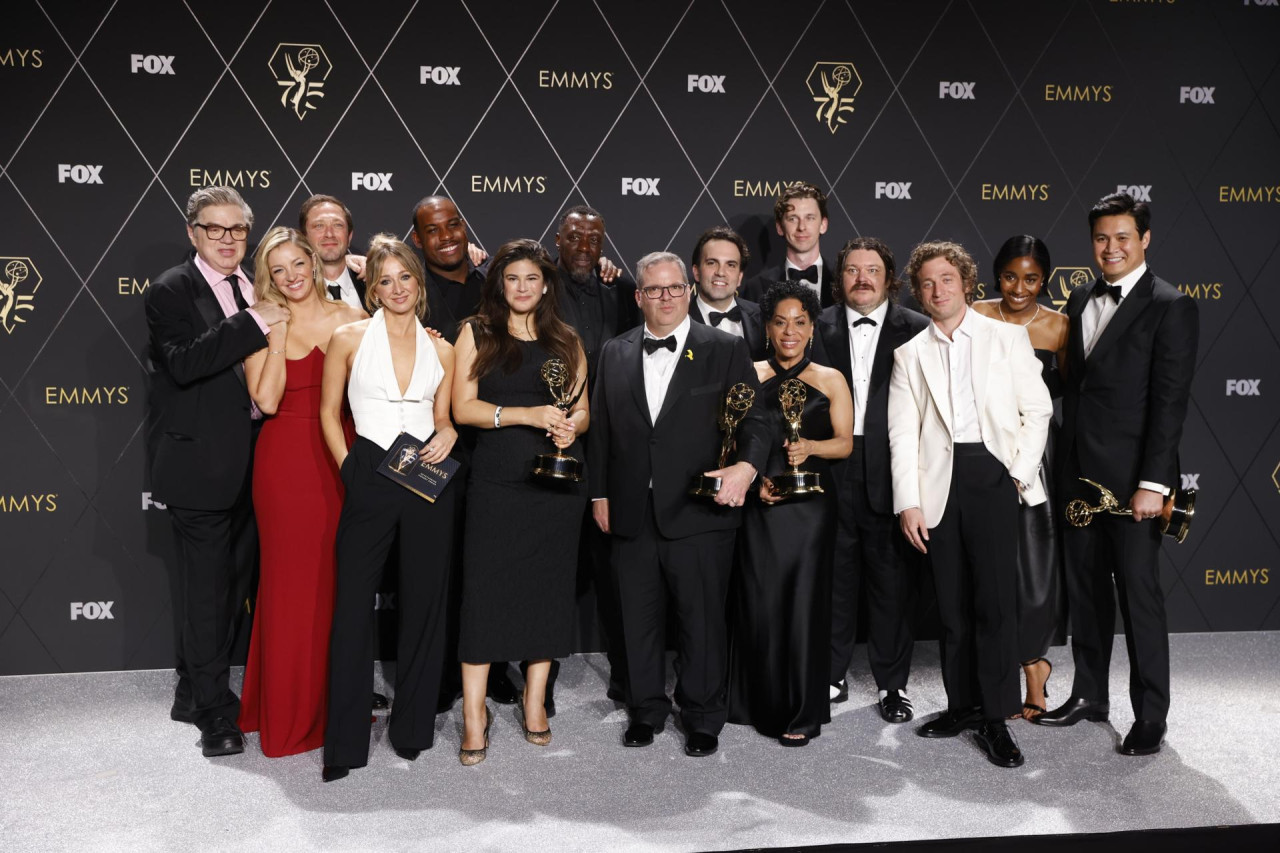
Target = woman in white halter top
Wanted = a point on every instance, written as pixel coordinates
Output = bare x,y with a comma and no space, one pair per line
397,379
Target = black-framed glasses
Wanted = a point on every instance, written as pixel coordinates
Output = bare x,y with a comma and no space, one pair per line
215,232
654,291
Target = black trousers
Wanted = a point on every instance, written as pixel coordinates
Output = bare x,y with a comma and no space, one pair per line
1112,549
375,514
695,570
208,587
974,550
870,555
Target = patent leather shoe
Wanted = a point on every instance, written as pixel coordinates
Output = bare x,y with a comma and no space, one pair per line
408,753
839,691
1073,711
334,772
951,723
895,707
380,702
997,741
640,734
701,744
1144,738
221,737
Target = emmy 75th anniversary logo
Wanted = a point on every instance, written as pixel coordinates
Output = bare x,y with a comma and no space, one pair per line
1063,280
19,281
300,69
833,86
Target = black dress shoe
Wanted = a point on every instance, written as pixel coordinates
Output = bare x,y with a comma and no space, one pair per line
1144,738
841,689
701,744
895,707
951,723
221,737
408,753
640,734
380,702
502,690
996,740
334,772
1073,711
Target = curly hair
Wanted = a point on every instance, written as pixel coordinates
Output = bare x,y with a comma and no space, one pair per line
952,253
783,290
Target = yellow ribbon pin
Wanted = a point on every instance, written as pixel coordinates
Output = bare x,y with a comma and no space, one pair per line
688,354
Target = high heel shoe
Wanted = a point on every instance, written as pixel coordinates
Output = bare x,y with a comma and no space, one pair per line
1044,688
542,738
472,757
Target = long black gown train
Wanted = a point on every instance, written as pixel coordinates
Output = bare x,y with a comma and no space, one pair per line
780,604
1040,599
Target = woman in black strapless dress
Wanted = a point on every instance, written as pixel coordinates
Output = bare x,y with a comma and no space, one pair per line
1020,268
780,606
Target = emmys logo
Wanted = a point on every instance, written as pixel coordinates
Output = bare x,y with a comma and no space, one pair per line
893,189
1196,94
1244,387
384,601
151,64
1063,280
1094,94
760,189
575,79
253,178
18,289
300,70
408,455
1203,290
833,86
1140,192
640,186
91,610
958,91
1231,195
509,184
147,503
55,395
378,181
1239,577
441,75
79,174
18,58
29,503
1015,192
707,83
128,286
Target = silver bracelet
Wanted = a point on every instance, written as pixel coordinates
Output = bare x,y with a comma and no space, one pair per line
497,418
275,352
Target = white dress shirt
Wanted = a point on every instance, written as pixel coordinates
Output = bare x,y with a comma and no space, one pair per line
956,353
659,366
863,340
349,294
726,325
815,286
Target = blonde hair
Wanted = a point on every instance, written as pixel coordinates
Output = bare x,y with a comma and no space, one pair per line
264,288
382,248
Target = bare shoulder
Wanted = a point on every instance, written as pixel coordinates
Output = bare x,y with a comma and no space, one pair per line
444,349
350,334
988,308
763,370
828,380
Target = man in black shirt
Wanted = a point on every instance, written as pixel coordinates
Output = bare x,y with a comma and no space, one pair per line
453,283
597,307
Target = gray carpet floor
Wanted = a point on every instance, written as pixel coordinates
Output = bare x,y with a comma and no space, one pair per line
92,762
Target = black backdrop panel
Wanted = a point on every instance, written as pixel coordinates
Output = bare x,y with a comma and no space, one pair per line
965,120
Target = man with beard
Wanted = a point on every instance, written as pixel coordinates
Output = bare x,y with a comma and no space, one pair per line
329,227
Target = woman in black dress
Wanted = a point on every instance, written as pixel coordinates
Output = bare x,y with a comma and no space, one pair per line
1021,267
521,552
780,609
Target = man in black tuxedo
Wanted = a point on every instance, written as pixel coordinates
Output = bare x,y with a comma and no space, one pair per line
857,336
654,418
201,431
719,258
453,282
800,217
329,227
1131,355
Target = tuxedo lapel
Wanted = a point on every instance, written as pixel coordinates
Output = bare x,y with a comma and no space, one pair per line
633,366
836,341
752,325
682,376
894,333
935,375
206,303
1130,307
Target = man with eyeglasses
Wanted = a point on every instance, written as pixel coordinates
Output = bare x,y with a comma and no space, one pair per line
201,430
650,439
857,336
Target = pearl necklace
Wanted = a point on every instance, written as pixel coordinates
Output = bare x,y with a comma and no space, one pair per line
1006,319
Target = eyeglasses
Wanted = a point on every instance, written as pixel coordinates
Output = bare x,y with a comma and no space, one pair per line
675,291
215,232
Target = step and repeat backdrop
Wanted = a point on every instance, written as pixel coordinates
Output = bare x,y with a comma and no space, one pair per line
929,119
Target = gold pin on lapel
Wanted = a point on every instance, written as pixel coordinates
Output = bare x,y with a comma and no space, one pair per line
688,354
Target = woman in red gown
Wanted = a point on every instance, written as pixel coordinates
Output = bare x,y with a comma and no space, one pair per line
297,496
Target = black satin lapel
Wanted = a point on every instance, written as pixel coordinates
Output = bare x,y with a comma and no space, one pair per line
207,304
1130,307
635,371
890,339
836,342
681,378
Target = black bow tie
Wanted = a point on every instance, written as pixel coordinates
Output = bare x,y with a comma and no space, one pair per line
734,314
809,273
1102,289
652,345
335,291
858,322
